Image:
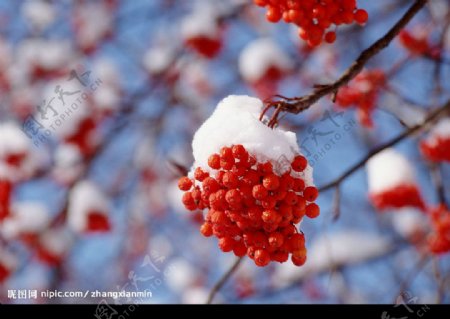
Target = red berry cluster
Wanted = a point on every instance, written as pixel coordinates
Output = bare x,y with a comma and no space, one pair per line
413,43
439,241
400,196
437,151
314,17
252,209
362,93
6,188
208,47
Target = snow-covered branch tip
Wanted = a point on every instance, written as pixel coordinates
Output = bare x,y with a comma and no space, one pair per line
297,105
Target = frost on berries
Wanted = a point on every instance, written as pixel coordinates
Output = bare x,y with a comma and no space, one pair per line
362,93
317,20
250,201
392,182
436,147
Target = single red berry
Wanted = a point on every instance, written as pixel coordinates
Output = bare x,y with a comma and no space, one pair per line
298,261
271,182
262,257
289,230
200,175
227,164
361,16
299,164
259,192
265,168
230,180
251,178
296,242
276,239
233,197
188,201
273,14
226,153
214,161
210,185
290,198
270,216
184,183
330,37
310,193
240,249
226,244
312,210
298,185
280,256
206,230
268,203
239,152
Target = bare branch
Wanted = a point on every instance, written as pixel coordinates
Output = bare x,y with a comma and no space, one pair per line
215,289
414,129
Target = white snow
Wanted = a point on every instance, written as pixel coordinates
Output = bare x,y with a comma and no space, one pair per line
106,71
158,59
389,169
94,21
56,241
12,140
68,163
258,56
74,109
182,275
333,250
84,198
440,131
49,54
200,23
236,121
106,98
409,221
26,218
7,259
409,114
195,295
39,13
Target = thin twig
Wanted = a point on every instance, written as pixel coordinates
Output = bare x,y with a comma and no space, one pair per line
215,289
299,104
409,278
440,282
337,203
432,117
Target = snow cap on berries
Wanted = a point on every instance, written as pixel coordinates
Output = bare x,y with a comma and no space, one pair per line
436,147
392,182
236,121
88,208
387,170
26,218
259,57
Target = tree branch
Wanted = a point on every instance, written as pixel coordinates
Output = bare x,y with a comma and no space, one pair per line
215,289
298,104
432,117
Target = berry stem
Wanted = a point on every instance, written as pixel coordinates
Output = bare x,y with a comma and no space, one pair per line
216,288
